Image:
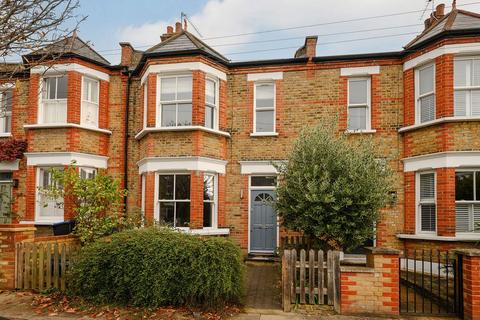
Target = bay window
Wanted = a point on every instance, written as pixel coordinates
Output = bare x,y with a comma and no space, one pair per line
87,173
467,201
209,201
211,103
264,113
90,98
54,99
359,104
175,105
467,87
425,93
426,202
174,199
48,208
6,102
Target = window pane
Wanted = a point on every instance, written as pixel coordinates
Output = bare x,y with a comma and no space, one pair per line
182,187
207,214
264,121
7,124
427,108
183,214
94,91
49,89
6,176
460,103
477,185
168,115
208,187
167,90
184,114
184,88
476,73
462,218
464,186
426,80
476,217
167,212
165,187
62,87
264,96
7,100
460,72
357,91
475,103
427,217
209,117
210,91
264,181
357,118
427,186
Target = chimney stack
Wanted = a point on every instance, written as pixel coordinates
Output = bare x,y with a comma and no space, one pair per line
170,33
127,53
178,27
309,49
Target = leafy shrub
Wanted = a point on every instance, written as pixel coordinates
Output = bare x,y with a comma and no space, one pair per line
156,267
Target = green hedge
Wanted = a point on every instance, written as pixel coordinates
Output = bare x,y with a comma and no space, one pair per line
157,267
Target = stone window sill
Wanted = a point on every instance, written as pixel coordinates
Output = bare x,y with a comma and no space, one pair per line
5,135
65,125
360,131
437,121
458,237
42,222
144,131
209,231
264,134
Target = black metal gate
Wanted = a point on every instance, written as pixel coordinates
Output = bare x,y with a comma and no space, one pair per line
429,283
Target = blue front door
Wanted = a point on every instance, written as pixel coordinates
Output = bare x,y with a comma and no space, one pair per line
263,221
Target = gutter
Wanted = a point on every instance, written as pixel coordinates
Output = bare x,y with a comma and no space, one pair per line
125,155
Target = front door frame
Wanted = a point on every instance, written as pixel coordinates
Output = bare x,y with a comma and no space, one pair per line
255,188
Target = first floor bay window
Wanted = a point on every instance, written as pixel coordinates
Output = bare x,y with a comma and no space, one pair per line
174,199
211,102
425,92
467,87
175,107
54,99
467,201
209,197
90,94
426,202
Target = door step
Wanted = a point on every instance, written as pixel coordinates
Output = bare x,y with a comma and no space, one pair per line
262,258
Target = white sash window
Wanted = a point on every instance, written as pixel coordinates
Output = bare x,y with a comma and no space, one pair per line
359,104
467,201
48,209
211,103
426,203
425,93
175,107
264,108
467,87
90,98
54,100
6,102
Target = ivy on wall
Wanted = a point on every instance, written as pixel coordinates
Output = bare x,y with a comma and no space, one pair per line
12,149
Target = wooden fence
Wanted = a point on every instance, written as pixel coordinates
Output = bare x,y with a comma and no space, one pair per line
309,278
43,265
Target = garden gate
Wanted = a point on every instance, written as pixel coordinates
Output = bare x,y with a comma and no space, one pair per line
430,283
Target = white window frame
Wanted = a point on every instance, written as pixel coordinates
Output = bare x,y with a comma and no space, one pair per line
368,126
255,109
158,201
418,212
145,104
417,92
217,103
84,102
88,171
38,203
41,106
6,115
176,102
469,88
214,202
470,203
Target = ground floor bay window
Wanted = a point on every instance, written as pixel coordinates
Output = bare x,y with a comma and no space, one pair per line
6,183
467,201
426,202
49,210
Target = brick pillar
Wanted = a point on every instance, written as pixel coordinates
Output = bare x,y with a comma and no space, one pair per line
409,97
74,97
33,96
471,282
149,196
198,98
409,190
446,202
151,99
196,200
10,235
444,86
374,288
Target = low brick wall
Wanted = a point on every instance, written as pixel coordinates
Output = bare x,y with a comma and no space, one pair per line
374,288
471,282
10,234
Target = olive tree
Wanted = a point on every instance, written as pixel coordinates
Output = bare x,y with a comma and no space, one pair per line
332,188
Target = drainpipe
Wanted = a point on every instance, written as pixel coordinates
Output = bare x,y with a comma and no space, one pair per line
125,155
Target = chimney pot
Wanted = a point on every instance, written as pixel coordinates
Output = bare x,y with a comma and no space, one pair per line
169,29
440,10
178,27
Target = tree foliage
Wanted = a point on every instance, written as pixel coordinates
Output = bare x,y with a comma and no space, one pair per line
97,202
332,188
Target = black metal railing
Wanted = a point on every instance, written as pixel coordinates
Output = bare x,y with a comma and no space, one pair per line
429,283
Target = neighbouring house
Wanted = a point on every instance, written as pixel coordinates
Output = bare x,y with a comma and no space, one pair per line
193,136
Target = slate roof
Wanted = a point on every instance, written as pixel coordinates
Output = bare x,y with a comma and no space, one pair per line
184,41
72,45
455,20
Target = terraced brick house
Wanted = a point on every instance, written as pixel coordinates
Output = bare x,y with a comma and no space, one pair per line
193,136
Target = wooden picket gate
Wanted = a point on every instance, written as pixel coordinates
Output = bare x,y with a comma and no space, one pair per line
309,278
43,265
